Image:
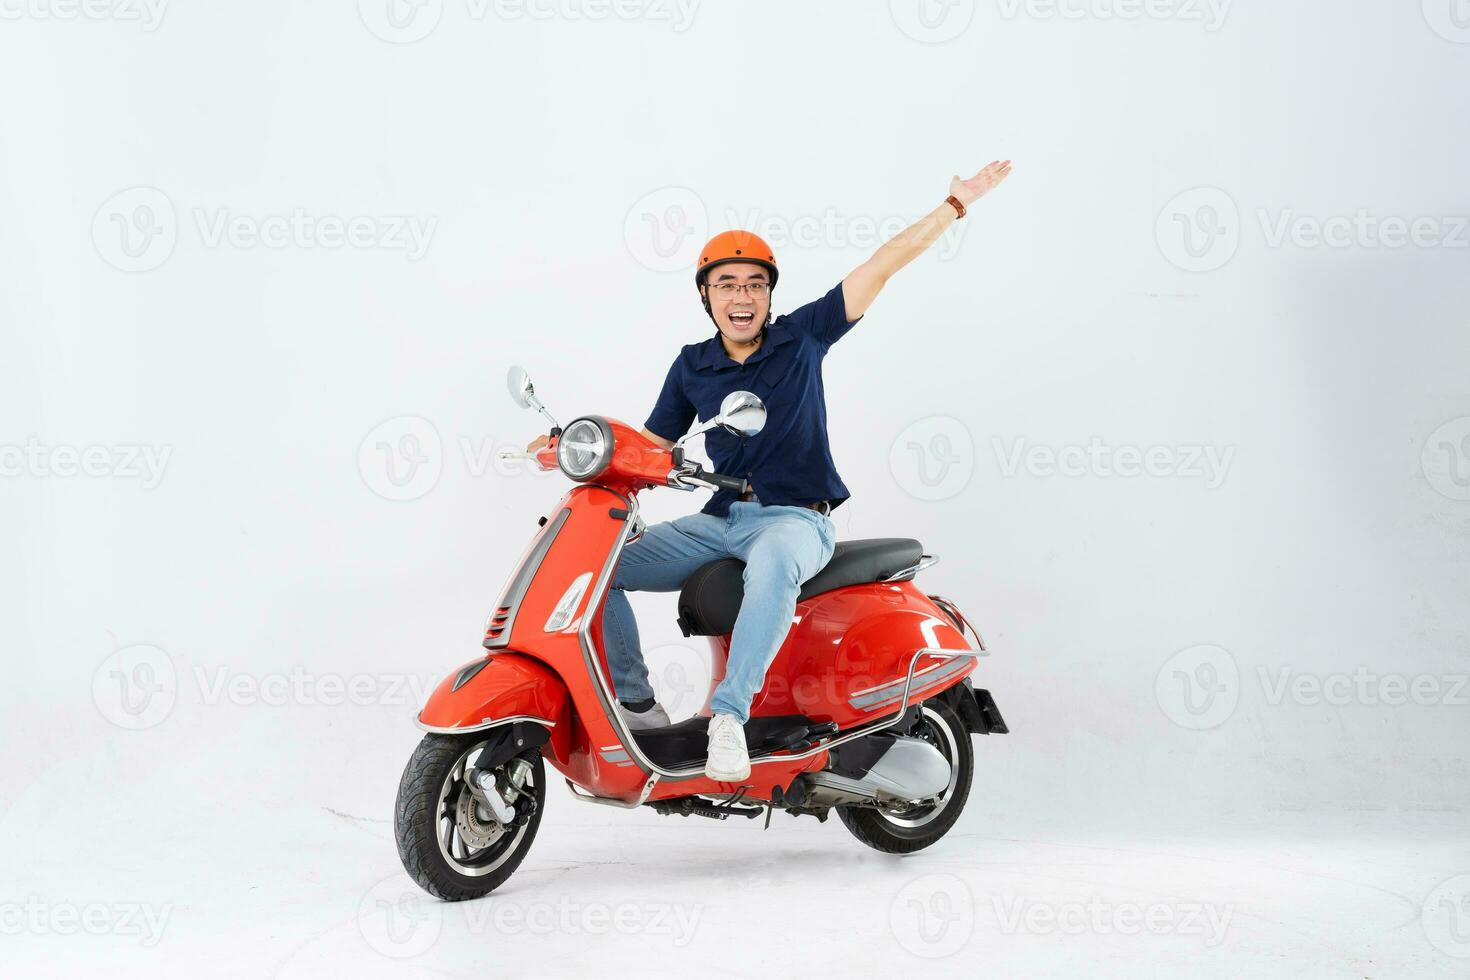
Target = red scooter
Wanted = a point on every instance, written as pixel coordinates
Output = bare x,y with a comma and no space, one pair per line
867,708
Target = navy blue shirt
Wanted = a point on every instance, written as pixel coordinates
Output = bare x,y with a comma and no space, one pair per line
789,461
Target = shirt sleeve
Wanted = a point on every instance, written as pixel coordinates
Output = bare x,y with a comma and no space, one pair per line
673,412
824,319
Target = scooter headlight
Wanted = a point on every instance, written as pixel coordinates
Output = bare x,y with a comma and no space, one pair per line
585,448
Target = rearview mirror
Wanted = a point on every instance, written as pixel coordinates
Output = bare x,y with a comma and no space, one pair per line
742,413
519,384
523,393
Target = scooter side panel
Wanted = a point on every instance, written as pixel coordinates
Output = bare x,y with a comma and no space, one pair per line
846,657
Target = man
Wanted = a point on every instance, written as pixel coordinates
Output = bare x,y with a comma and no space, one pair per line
779,528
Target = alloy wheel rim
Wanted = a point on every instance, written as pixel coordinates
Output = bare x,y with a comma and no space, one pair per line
458,853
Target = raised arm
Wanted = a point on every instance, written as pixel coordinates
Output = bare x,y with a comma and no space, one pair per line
863,284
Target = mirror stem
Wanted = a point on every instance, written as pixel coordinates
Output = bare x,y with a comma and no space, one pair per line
536,404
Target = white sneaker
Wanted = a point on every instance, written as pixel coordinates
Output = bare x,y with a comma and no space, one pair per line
654,717
728,759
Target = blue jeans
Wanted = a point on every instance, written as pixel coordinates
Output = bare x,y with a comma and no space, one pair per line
781,546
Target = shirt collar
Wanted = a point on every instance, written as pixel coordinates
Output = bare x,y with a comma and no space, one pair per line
713,357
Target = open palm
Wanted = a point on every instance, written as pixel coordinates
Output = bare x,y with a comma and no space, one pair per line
982,183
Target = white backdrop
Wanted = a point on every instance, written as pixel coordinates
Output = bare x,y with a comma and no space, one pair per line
1182,407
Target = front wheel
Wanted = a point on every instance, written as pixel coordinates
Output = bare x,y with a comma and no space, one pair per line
450,842
903,828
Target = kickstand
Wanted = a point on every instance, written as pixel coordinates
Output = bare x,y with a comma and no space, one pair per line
769,811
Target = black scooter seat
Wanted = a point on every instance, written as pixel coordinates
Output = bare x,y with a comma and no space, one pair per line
711,596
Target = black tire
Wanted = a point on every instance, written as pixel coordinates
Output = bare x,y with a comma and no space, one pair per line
903,833
428,794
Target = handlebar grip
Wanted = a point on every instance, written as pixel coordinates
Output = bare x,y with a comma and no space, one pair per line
732,483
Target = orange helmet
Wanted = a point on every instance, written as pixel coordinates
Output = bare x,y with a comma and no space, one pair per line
735,246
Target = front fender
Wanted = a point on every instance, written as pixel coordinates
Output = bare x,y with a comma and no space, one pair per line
497,690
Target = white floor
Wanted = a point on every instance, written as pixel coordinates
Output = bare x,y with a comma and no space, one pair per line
250,882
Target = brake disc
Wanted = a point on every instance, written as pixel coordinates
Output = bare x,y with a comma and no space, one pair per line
476,825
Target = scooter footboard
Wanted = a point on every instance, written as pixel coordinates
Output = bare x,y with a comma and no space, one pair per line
497,690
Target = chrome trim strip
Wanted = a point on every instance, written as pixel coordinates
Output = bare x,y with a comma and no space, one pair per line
953,606
903,700
608,801
925,561
896,681
603,684
484,724
873,701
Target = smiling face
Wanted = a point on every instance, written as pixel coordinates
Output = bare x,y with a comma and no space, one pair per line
739,315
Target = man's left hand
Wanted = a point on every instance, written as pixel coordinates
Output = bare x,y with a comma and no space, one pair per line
989,178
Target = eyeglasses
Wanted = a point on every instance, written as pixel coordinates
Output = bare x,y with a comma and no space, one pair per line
727,290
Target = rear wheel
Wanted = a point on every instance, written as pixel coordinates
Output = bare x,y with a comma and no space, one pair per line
903,828
451,843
